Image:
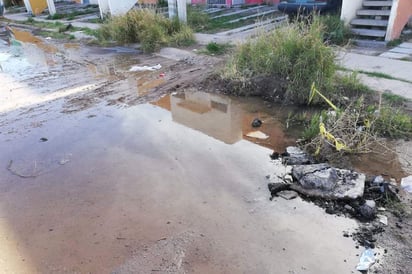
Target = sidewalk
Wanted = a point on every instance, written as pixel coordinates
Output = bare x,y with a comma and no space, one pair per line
402,70
21,17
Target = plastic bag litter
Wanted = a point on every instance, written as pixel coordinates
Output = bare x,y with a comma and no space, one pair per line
406,184
145,68
257,135
366,260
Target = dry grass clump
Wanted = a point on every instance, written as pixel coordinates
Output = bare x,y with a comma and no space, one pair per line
147,27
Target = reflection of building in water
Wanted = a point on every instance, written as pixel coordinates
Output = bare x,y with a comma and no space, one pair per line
208,113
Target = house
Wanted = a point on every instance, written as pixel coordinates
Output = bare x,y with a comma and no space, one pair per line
230,3
377,20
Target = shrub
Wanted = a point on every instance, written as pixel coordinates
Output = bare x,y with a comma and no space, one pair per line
295,53
196,18
335,31
393,122
148,28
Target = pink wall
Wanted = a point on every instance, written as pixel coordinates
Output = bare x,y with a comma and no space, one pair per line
248,2
404,12
199,2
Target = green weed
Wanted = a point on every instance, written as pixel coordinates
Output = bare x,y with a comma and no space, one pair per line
214,48
335,31
294,53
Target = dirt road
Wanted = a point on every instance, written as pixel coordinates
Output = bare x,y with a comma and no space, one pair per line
100,176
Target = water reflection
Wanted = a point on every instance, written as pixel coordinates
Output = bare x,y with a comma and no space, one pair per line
211,114
224,118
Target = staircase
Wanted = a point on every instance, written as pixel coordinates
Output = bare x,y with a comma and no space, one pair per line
371,22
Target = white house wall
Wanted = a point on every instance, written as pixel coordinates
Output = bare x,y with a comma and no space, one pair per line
104,7
349,8
120,7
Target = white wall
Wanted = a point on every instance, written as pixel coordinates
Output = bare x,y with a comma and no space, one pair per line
104,7
120,7
349,8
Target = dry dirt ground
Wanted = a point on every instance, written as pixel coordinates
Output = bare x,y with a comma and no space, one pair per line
104,172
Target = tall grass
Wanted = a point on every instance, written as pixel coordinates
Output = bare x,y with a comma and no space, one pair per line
144,26
295,53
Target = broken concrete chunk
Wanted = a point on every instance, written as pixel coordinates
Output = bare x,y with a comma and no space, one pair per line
274,188
288,194
296,156
368,210
320,176
324,181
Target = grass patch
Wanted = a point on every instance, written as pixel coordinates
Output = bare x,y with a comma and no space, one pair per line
376,74
335,31
393,122
214,48
71,15
200,21
294,53
394,43
393,99
144,26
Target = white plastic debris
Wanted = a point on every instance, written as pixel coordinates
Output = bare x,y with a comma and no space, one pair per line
383,219
366,260
406,184
258,135
145,68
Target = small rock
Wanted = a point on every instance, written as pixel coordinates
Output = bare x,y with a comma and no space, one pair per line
296,156
43,139
370,203
349,209
274,155
287,194
406,184
368,210
378,180
274,188
288,179
256,122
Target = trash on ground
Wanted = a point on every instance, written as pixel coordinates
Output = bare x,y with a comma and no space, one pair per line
296,156
366,260
406,184
256,122
257,135
368,210
383,219
145,68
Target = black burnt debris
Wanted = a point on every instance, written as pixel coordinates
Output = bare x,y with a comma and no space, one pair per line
339,191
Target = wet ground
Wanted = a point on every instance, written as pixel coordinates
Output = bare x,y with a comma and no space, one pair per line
102,172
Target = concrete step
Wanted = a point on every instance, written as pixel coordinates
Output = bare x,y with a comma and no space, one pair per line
369,22
369,32
374,12
369,43
377,3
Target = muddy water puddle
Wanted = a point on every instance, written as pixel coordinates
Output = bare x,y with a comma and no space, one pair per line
92,183
171,188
